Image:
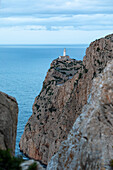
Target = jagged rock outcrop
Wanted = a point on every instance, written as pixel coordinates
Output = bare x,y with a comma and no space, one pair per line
8,122
64,93
89,145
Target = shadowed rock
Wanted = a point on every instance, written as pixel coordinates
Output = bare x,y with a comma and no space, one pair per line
8,122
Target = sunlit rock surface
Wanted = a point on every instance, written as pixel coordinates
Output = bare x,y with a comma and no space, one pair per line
89,145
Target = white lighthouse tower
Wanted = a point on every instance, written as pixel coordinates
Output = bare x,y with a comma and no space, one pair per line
64,54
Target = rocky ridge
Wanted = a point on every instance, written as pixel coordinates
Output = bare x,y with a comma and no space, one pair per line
64,93
89,144
8,122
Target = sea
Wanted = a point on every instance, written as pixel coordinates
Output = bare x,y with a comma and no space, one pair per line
22,71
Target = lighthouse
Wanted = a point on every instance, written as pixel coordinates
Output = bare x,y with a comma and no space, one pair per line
64,54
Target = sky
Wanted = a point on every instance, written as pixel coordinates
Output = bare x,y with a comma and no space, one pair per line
54,22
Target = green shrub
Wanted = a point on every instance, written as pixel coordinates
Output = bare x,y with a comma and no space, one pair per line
52,109
94,74
44,85
8,162
50,94
63,72
33,166
75,83
48,88
57,77
100,70
29,126
80,76
85,70
111,163
100,63
38,117
98,49
37,106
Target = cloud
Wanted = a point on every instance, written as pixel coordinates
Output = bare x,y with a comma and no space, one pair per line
60,22
33,7
35,27
54,28
49,15
7,36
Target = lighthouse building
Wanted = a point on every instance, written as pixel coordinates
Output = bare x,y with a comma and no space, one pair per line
64,55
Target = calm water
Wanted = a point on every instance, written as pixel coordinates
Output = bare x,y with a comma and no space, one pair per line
22,71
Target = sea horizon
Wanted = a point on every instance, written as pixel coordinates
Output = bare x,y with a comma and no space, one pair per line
44,45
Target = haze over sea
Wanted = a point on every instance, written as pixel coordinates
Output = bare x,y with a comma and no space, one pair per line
22,72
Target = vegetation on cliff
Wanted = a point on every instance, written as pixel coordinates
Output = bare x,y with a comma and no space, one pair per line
9,162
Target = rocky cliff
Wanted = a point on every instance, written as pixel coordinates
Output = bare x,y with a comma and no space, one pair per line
64,93
89,145
49,124
8,122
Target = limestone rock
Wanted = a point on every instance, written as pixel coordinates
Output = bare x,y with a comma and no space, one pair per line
64,93
89,145
46,128
8,122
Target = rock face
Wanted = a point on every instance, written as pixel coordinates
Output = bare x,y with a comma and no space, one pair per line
89,145
49,124
64,93
8,122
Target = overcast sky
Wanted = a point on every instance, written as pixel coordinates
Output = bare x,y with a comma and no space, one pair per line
58,21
